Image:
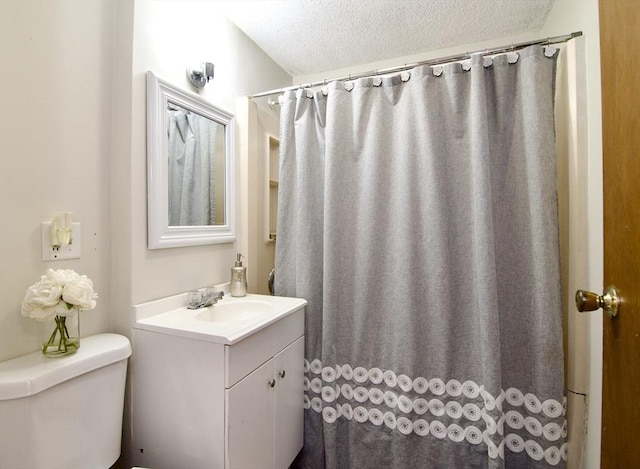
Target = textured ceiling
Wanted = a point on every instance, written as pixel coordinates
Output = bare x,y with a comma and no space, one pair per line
313,36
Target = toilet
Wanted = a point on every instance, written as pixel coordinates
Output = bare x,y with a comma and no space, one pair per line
64,412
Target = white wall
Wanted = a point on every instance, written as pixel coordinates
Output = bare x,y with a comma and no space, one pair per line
55,150
169,36
73,138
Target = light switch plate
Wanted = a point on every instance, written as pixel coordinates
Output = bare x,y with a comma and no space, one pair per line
71,251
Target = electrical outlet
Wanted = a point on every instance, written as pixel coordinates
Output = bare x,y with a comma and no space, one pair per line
71,251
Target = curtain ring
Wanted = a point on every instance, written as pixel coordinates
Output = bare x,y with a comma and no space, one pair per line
549,50
376,81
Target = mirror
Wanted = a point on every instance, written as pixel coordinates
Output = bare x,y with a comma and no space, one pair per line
190,184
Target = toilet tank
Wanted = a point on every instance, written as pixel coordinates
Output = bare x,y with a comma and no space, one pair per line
64,412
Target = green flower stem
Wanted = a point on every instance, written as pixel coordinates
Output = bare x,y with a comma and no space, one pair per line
64,334
60,342
53,335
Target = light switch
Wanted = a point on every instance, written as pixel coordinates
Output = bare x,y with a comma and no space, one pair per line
54,253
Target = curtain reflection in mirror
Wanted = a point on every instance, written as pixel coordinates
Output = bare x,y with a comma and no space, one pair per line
191,154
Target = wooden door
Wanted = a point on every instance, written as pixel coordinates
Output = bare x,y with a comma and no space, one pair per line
620,62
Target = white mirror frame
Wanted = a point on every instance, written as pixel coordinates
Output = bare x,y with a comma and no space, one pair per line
160,234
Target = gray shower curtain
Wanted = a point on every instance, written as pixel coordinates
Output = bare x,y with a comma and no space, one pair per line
418,217
191,159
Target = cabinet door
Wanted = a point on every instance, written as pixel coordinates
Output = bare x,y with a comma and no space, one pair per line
289,411
249,413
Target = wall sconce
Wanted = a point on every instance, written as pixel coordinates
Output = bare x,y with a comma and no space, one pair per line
200,76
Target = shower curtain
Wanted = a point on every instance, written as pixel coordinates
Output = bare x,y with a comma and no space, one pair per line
191,154
418,217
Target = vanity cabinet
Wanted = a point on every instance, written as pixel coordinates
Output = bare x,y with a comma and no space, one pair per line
264,408
203,405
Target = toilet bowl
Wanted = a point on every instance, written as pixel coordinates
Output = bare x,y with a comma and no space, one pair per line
64,412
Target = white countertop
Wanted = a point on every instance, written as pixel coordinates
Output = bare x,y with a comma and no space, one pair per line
170,316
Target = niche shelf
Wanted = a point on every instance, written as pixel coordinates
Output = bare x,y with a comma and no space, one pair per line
272,208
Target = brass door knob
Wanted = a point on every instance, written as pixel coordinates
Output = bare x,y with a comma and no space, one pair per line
588,301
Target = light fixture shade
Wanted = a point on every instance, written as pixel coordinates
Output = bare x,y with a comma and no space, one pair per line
200,76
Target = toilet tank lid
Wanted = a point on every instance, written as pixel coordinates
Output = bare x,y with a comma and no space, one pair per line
30,374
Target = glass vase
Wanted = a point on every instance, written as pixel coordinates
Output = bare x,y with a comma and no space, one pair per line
61,335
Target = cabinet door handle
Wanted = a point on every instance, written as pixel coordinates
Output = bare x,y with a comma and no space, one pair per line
272,383
282,373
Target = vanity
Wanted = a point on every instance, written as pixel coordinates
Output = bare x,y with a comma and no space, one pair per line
220,386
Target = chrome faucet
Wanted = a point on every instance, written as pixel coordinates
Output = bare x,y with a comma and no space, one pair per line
203,297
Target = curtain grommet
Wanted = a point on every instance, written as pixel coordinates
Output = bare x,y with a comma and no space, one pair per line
348,86
466,65
487,62
309,94
436,70
405,76
512,57
550,51
324,91
377,81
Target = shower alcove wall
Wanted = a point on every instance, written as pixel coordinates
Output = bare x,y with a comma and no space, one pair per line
260,137
259,142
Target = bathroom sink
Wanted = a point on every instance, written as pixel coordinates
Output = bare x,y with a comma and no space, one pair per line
228,321
234,310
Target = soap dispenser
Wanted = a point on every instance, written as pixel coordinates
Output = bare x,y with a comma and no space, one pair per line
238,285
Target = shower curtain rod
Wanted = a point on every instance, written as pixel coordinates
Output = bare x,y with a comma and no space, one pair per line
439,61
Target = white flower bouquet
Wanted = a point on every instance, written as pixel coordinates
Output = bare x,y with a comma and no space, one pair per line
58,295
